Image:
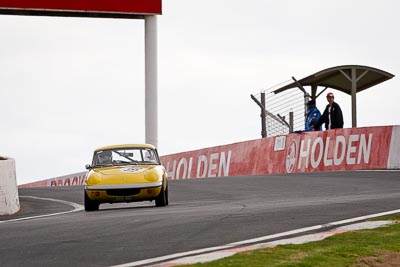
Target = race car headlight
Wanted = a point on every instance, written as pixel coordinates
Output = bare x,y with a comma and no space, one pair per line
94,179
151,177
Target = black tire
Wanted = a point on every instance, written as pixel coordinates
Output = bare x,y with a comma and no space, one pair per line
162,199
90,205
166,196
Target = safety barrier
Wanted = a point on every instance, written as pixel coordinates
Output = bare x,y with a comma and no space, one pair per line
365,148
9,200
66,180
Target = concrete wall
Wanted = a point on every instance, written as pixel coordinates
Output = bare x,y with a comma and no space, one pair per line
9,200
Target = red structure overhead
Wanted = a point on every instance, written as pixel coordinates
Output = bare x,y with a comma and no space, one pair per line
82,8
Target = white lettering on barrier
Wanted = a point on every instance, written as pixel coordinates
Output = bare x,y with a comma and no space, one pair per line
303,153
201,164
355,150
171,172
224,164
182,163
320,143
76,180
212,166
351,149
216,165
340,142
365,149
327,162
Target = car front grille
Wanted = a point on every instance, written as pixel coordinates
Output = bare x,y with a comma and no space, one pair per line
123,192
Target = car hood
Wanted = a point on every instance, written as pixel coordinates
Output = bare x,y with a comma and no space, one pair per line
131,174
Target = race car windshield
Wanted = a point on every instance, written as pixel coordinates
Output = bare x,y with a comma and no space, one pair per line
125,156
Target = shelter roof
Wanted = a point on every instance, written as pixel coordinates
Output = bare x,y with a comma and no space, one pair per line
340,78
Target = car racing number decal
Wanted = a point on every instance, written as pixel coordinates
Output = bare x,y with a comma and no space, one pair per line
132,169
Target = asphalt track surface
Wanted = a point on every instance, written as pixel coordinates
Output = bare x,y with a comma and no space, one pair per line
202,213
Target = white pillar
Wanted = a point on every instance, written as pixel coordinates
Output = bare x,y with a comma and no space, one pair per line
9,200
353,98
151,102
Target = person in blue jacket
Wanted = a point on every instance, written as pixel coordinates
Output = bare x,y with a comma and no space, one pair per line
313,116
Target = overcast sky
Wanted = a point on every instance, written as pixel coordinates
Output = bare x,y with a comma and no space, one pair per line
70,85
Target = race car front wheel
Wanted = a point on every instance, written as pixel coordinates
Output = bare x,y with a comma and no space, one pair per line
162,199
90,205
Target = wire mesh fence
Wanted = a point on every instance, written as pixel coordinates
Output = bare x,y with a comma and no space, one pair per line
279,106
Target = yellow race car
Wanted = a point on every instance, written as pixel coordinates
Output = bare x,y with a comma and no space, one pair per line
125,173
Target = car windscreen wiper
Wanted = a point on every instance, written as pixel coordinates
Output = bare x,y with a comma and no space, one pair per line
102,165
118,163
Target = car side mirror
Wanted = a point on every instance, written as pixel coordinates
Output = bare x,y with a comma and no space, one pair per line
88,166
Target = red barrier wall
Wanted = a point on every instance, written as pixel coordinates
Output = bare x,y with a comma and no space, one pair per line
340,149
67,180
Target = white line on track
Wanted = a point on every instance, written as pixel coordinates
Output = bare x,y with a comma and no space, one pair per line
76,207
250,241
379,170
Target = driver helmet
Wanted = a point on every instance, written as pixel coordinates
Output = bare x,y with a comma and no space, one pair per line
105,157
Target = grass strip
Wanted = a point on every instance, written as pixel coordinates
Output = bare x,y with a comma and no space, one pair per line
360,248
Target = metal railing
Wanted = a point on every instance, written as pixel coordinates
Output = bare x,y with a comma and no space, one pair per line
281,113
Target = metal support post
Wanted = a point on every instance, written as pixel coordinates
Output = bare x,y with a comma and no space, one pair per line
291,123
263,117
263,113
151,101
353,97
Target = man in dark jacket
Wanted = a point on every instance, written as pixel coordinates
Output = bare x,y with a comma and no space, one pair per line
332,116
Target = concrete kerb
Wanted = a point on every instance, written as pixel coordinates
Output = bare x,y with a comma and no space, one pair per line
294,240
298,236
9,200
